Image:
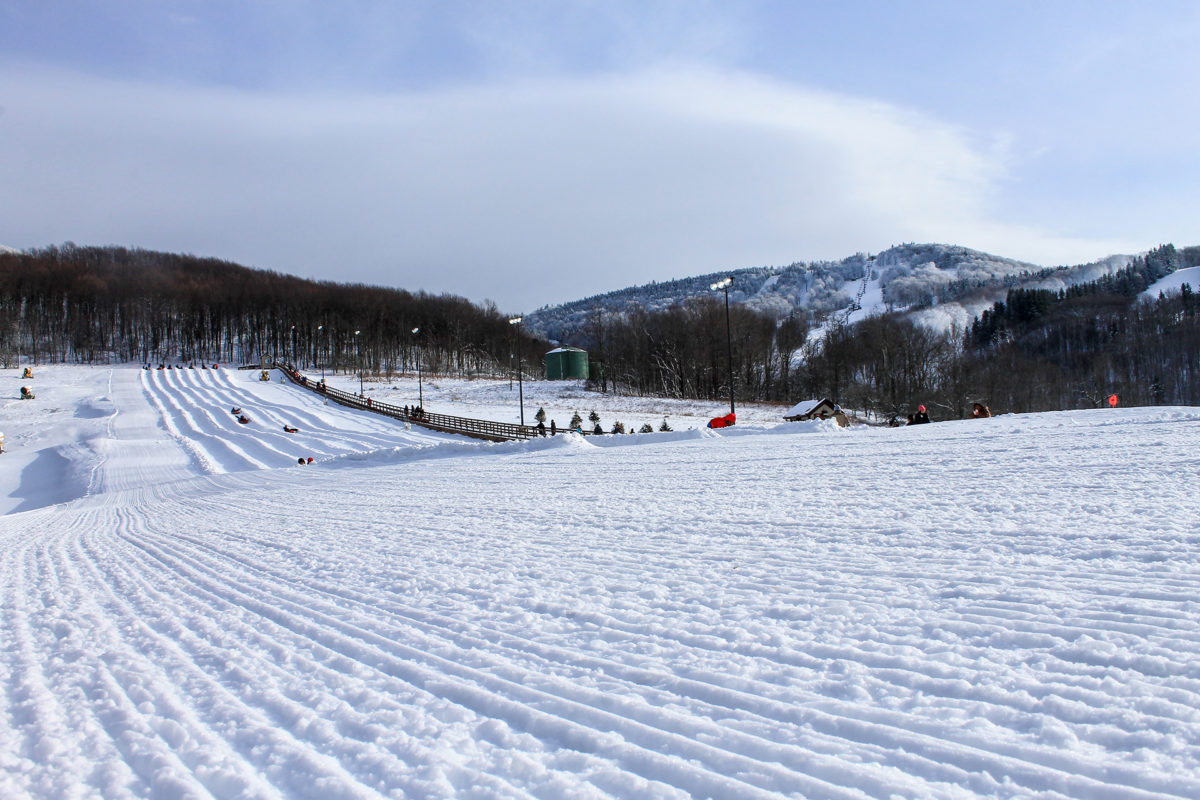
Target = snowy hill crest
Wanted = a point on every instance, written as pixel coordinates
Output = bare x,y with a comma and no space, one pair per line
943,285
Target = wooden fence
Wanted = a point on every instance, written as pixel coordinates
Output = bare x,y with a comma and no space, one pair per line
478,428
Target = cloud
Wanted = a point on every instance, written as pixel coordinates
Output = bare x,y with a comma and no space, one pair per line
525,192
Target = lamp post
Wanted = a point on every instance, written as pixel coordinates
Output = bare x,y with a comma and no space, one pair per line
724,284
420,391
317,351
520,387
358,353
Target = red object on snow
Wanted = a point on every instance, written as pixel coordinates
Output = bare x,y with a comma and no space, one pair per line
1112,401
723,422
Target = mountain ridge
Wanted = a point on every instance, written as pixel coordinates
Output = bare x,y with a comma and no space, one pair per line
940,285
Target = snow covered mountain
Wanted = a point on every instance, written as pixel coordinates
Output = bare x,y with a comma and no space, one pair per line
943,285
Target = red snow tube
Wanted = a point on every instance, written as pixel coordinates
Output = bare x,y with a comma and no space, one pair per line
723,422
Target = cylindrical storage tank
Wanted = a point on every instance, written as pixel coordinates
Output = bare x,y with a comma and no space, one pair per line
566,363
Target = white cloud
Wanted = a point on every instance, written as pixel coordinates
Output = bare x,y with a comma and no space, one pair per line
539,191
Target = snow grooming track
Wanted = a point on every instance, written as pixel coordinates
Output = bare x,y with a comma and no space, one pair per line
393,628
639,747
636,725
183,642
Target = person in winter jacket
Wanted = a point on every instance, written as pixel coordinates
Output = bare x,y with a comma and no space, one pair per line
919,418
980,411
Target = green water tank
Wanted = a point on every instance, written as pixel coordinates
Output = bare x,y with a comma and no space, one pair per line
566,363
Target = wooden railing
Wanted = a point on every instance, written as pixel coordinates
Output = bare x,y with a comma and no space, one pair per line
478,428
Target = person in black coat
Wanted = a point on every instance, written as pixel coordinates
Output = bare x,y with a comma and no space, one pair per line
919,418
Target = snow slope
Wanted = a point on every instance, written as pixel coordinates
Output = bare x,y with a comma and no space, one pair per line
100,430
1174,282
994,608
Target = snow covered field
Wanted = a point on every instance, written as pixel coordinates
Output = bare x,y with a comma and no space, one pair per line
994,608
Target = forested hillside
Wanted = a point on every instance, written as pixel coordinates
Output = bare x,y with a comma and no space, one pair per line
101,304
909,276
1036,350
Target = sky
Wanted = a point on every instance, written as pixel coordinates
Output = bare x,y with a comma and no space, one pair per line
530,153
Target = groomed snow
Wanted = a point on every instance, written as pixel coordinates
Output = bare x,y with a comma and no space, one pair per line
1173,283
992,608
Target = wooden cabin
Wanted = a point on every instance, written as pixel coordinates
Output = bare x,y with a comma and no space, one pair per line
816,409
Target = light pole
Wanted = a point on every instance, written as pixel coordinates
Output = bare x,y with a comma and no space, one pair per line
317,351
724,284
358,352
520,387
420,391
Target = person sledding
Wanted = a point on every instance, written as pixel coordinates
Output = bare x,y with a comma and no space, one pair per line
290,429
235,410
723,422
26,393
919,418
242,418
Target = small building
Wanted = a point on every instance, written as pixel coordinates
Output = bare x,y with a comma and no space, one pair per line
816,409
566,363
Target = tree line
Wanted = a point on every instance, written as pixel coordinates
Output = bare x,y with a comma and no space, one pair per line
104,304
1036,351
